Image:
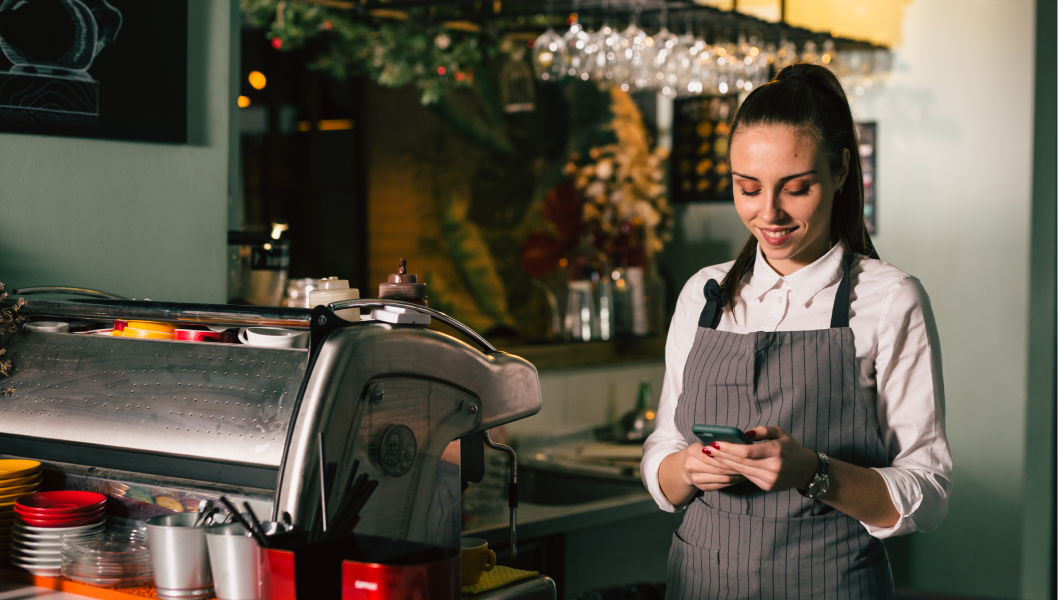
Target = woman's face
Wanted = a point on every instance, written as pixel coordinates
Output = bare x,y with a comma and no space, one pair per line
784,193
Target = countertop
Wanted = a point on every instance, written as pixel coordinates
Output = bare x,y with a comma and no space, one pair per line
536,521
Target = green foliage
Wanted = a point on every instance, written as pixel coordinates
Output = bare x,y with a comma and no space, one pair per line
391,51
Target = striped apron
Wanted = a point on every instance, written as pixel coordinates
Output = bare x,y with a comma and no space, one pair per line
741,542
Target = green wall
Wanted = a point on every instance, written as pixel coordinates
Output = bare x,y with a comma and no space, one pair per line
141,220
1038,527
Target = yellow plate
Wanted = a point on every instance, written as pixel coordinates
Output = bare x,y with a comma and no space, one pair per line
12,498
17,468
19,490
32,479
152,326
137,333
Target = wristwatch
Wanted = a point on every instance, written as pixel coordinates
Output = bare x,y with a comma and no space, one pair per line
820,483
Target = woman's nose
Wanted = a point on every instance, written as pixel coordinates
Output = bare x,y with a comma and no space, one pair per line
771,209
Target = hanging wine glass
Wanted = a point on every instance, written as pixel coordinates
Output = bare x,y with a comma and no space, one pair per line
786,56
755,61
677,67
725,69
604,55
549,56
629,70
576,43
810,53
662,50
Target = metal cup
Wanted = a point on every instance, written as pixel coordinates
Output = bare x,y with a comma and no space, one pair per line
179,557
233,559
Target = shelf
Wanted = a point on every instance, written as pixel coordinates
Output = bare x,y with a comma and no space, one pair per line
565,355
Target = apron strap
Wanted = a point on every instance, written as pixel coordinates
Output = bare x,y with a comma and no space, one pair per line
715,299
839,317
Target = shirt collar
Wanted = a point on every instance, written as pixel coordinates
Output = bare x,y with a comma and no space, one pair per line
804,283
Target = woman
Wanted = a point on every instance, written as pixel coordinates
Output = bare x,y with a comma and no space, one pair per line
824,355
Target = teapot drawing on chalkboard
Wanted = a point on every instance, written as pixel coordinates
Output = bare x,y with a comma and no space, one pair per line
58,38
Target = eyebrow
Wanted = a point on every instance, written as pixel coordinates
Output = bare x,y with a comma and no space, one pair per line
782,179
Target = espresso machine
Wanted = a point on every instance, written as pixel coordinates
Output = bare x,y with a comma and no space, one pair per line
159,425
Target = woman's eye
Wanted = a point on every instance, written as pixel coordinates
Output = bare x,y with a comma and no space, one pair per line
801,192
750,192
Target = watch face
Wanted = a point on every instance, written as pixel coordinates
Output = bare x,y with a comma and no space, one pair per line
818,487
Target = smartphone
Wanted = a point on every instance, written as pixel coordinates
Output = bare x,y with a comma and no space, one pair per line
710,434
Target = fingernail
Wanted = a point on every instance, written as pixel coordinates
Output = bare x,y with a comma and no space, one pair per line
751,434
707,452
716,445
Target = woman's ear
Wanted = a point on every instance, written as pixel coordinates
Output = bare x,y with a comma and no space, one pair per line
840,177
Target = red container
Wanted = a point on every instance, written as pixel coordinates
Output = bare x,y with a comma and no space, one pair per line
360,567
206,336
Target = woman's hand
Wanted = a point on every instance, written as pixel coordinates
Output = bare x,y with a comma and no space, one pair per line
779,463
706,473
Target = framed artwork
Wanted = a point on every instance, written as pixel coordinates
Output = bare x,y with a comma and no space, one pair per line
867,134
700,139
112,69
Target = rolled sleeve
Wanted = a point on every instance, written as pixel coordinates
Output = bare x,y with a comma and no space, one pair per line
911,412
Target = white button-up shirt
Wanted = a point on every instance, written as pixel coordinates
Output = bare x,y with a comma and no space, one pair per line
897,356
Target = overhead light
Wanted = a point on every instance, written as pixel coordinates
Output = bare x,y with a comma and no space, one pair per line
244,101
257,80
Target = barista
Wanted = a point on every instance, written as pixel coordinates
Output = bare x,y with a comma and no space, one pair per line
824,355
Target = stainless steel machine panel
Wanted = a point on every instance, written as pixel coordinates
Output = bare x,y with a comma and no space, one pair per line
229,403
434,389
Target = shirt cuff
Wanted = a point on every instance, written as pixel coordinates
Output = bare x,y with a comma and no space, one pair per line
648,471
906,494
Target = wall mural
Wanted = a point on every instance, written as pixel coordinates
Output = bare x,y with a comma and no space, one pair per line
94,68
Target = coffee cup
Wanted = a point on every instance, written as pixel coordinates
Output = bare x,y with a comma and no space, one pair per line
476,558
274,337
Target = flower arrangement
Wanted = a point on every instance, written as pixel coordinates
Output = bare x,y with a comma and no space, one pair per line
615,197
9,321
623,186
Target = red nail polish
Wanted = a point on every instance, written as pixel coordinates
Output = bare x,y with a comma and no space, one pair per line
750,434
716,445
707,452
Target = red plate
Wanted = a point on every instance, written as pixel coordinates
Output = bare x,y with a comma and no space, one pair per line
61,501
55,515
57,523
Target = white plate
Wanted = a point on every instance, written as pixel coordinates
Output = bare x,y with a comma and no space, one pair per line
19,525
35,562
25,543
30,551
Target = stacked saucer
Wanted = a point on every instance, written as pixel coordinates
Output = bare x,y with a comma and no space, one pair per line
114,558
44,520
17,477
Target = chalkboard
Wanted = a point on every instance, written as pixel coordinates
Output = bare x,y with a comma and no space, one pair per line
94,68
700,140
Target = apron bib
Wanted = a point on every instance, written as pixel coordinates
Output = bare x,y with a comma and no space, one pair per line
741,542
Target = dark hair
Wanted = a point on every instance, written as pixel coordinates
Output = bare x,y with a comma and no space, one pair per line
810,97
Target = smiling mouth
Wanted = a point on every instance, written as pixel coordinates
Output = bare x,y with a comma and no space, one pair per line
777,235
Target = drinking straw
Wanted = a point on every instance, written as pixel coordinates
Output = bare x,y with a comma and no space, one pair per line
258,536
256,529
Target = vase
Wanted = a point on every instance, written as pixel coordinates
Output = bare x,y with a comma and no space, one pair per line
639,301
589,311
